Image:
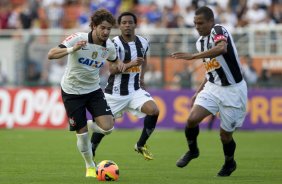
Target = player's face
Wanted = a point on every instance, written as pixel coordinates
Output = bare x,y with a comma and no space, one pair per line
102,31
203,25
127,25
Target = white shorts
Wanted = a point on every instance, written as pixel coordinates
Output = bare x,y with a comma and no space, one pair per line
130,103
229,101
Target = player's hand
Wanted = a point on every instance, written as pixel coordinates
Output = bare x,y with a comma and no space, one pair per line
182,55
121,67
138,61
79,45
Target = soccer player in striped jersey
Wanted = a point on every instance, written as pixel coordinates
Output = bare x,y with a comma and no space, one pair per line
124,91
87,53
223,90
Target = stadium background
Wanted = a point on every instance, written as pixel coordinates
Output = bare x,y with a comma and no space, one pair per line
29,92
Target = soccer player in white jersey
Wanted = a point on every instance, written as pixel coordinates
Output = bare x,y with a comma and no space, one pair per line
223,90
124,91
87,53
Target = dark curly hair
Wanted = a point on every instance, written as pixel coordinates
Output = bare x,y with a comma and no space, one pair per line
127,14
102,15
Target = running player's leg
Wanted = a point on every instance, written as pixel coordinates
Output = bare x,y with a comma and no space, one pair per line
152,113
84,146
75,108
103,123
143,105
229,146
232,116
197,114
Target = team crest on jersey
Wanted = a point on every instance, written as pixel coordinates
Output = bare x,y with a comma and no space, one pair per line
94,55
104,53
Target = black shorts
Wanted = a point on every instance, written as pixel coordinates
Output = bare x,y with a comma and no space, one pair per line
76,106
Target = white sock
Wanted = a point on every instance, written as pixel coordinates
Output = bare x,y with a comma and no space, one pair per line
84,146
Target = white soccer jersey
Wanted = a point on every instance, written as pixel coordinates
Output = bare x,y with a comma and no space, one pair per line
128,81
82,72
224,69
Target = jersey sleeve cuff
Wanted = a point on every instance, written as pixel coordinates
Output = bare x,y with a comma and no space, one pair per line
112,60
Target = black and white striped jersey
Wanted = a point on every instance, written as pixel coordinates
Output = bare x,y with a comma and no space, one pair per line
128,81
224,69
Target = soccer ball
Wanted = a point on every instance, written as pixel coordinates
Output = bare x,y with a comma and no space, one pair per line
107,170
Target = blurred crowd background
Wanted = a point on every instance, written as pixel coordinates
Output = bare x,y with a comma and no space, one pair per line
34,26
69,14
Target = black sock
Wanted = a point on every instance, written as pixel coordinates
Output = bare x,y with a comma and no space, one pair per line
191,136
149,126
229,150
95,141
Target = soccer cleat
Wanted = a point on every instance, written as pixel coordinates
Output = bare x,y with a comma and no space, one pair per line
227,169
144,151
186,158
91,172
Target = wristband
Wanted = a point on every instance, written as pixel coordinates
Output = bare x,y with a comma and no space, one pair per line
69,50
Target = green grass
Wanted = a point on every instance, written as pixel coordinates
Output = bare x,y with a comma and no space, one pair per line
51,156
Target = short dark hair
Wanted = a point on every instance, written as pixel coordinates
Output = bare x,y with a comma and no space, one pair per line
206,11
102,15
127,14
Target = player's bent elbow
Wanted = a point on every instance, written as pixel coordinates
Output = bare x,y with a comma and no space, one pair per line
222,48
51,55
220,51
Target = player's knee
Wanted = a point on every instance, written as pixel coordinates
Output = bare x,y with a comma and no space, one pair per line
225,137
106,129
153,111
150,108
192,121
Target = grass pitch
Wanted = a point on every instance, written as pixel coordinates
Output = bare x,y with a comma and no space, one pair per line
51,156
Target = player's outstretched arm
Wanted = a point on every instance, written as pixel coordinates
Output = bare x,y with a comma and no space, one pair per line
182,55
57,52
220,48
